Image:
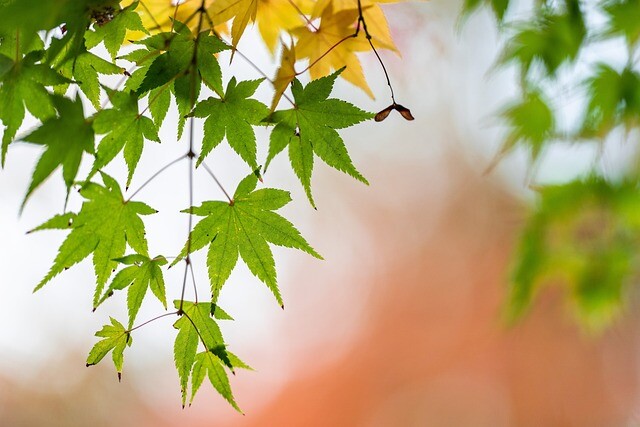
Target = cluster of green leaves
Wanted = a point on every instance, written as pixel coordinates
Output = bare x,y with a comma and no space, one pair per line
52,65
552,46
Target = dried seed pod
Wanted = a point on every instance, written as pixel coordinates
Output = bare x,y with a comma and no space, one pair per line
404,112
383,114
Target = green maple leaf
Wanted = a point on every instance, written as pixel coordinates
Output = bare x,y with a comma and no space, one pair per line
141,274
210,365
551,39
196,324
310,128
23,86
125,129
583,236
531,123
116,338
114,32
623,18
233,115
31,16
244,228
176,62
66,137
57,222
499,6
614,99
12,43
84,68
104,226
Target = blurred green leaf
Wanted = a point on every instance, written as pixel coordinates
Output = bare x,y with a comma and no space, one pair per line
583,235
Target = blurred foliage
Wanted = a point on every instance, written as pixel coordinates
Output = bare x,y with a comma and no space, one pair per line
582,234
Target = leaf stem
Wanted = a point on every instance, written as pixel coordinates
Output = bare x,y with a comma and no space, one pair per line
148,181
305,17
186,270
217,182
151,320
338,43
262,73
193,279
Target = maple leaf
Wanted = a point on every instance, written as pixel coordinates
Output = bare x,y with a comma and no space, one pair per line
232,115
285,74
116,338
168,64
13,45
241,11
23,86
125,129
244,228
31,16
331,46
531,122
377,24
84,68
196,324
114,32
210,365
66,137
104,226
141,274
310,128
276,16
160,15
57,222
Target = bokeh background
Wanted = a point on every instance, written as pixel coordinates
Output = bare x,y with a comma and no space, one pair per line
400,325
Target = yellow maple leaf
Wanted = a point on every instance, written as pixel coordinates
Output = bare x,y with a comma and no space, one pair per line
157,15
276,16
329,46
285,74
241,11
373,15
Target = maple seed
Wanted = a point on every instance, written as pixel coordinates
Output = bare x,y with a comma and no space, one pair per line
383,114
404,112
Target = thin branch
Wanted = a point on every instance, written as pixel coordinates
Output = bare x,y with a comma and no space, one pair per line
191,153
361,21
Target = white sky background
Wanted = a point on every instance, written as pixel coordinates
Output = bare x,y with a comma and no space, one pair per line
443,77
